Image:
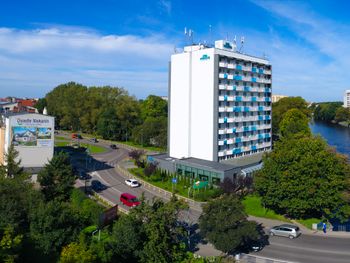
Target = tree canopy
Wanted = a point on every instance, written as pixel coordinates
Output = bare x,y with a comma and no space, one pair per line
294,122
224,223
57,178
282,106
303,177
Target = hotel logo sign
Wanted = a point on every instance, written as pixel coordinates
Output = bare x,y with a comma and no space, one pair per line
205,57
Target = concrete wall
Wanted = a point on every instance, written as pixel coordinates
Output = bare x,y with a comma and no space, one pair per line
179,130
202,104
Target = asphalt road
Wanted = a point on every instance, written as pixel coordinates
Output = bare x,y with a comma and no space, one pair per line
305,249
308,249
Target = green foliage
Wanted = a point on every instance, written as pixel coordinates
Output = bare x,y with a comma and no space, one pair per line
10,244
154,107
304,178
224,223
53,225
342,114
57,178
76,252
326,111
282,106
89,211
294,123
107,124
40,105
16,199
13,167
127,239
163,235
153,131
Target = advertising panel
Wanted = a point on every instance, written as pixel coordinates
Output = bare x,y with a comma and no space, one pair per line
32,131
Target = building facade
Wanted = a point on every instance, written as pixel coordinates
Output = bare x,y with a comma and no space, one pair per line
32,136
219,103
347,99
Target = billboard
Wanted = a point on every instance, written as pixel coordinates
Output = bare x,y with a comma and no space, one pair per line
31,136
32,131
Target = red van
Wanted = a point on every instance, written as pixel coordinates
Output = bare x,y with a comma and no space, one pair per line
129,200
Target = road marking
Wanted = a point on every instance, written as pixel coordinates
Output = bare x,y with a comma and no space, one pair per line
310,249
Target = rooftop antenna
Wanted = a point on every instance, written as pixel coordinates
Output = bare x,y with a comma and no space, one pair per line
242,44
189,35
210,35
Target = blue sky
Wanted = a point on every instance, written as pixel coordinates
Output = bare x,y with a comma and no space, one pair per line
128,43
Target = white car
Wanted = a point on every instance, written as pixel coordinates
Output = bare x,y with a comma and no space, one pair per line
132,182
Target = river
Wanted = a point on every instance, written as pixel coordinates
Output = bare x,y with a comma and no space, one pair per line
336,135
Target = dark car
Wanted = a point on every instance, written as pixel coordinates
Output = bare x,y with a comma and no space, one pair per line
113,146
97,186
94,140
82,175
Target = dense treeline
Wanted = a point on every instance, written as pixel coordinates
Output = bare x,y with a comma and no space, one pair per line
331,112
108,112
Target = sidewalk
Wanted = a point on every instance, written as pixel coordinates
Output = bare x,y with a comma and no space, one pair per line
269,223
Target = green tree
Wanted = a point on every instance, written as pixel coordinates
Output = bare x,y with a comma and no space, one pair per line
294,122
164,237
77,252
153,131
12,167
40,105
224,223
154,107
303,178
57,178
89,211
10,244
342,114
108,125
53,225
127,239
282,106
326,111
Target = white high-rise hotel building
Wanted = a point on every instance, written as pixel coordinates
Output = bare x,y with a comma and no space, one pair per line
220,103
347,99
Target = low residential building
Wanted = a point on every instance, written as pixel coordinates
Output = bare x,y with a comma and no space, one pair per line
31,134
276,97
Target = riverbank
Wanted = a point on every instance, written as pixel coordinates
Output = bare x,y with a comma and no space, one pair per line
336,135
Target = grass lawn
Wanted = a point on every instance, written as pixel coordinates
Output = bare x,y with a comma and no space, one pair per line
60,138
182,187
92,148
252,205
308,222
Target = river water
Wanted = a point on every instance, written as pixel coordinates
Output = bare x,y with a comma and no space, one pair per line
336,135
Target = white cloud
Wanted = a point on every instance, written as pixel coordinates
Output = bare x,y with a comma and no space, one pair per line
315,65
44,58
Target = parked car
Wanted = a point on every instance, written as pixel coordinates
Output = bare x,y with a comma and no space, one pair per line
97,186
285,230
129,200
113,146
132,183
94,140
82,175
